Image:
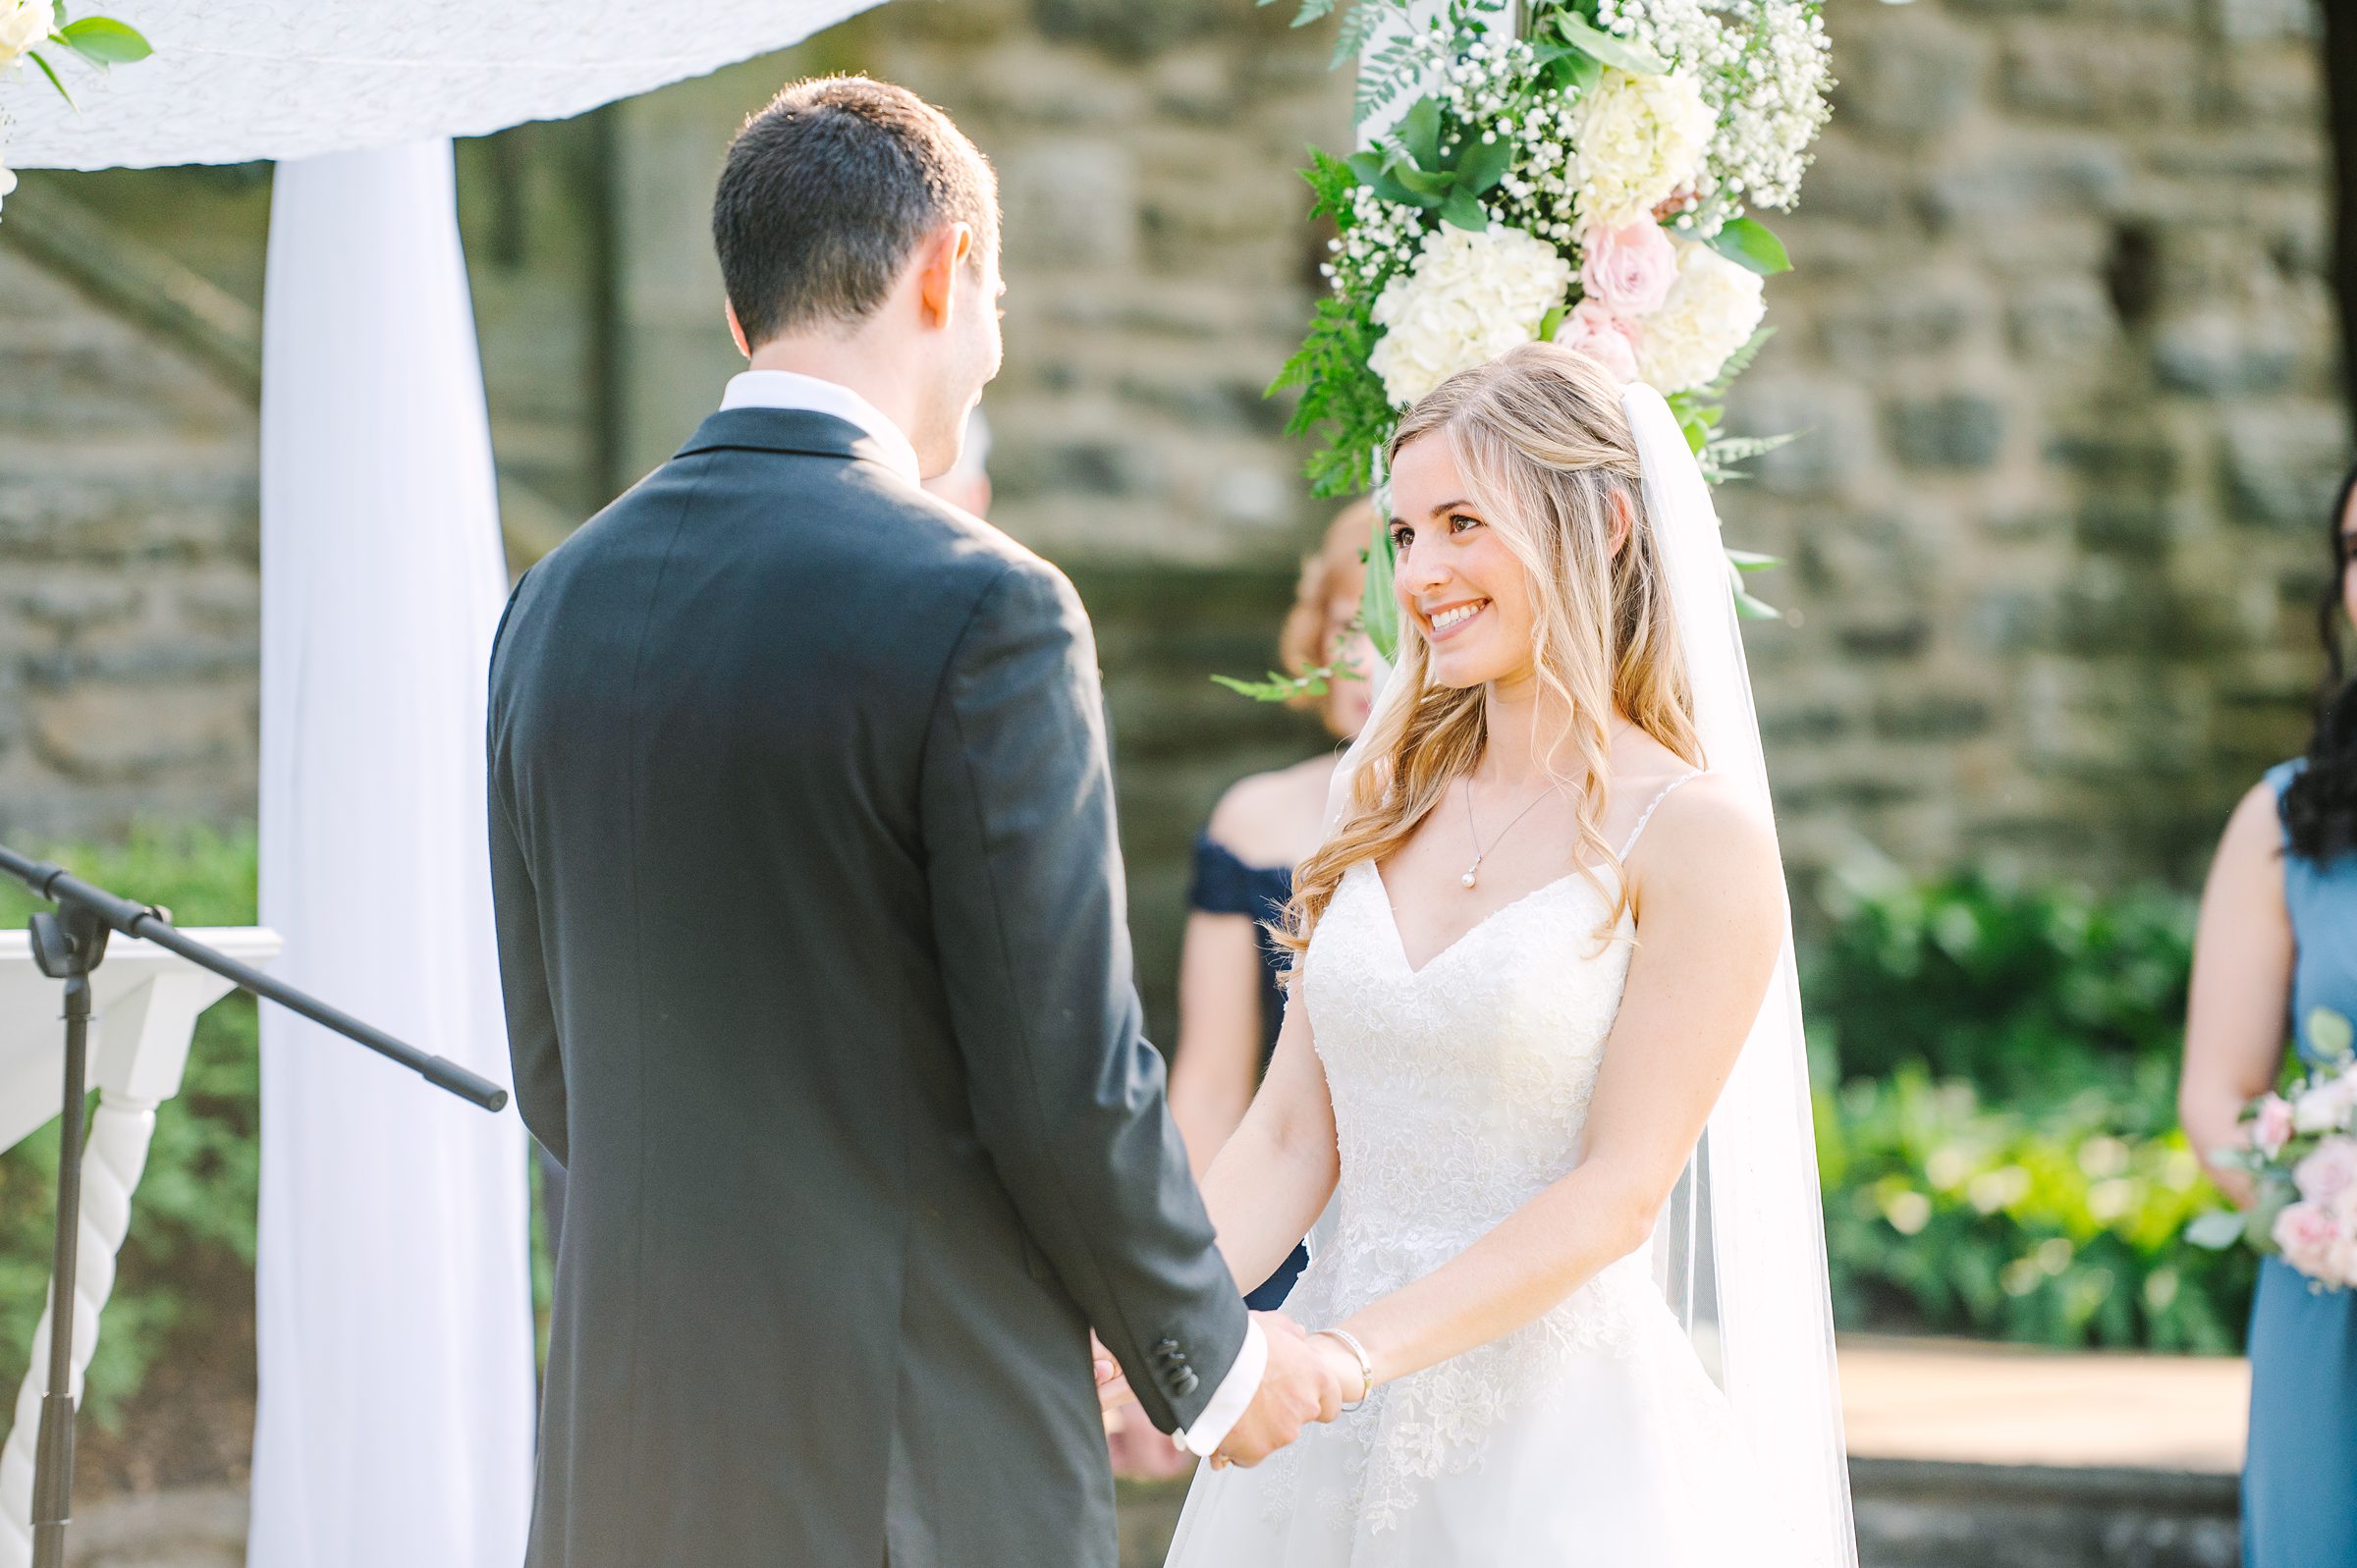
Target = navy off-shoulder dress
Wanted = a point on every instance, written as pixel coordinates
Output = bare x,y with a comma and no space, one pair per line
1225,885
2299,1479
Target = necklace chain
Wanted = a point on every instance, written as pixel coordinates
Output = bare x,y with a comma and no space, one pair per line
1473,872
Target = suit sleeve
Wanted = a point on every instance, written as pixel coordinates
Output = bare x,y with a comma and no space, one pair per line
532,1049
1030,921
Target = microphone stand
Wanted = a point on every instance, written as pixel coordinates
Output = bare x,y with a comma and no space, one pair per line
69,943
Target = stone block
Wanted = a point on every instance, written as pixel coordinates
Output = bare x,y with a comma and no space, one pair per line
1913,73
1126,28
126,733
2245,21
2281,464
1956,431
2099,75
1900,319
2062,321
2020,177
2226,354
1832,427
1930,717
1069,203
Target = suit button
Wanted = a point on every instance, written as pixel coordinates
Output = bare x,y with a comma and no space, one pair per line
1185,1383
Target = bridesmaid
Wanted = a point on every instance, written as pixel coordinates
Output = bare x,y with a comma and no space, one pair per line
2277,941
1228,999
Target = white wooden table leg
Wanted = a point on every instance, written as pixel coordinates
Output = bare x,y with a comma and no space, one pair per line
117,1152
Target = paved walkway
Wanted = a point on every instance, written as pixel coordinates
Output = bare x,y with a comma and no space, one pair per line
1963,1401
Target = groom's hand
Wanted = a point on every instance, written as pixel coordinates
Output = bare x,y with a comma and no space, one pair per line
1299,1386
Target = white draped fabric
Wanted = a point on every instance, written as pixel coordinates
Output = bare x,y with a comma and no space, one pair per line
234,81
396,1417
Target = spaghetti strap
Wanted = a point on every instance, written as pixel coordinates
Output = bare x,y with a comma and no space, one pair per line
1688,777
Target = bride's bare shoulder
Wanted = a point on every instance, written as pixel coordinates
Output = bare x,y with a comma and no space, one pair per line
1707,838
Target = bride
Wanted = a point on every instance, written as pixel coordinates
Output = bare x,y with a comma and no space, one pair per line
1527,961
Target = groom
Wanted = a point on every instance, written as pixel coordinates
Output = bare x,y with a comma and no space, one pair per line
810,920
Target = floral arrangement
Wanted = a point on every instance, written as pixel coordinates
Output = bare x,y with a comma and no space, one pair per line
1588,176
2301,1152
25,26
1585,175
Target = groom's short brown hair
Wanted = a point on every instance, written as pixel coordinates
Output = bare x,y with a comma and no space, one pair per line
827,191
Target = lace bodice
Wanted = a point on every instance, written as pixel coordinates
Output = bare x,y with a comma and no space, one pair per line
1460,1091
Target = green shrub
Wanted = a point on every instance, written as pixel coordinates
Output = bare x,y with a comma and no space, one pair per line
1996,1118
2033,994
1944,1212
189,1259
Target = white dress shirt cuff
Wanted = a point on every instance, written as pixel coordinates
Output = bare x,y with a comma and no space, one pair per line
1231,1399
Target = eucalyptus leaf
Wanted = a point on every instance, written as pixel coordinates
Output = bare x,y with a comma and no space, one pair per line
1483,164
1420,131
2329,1033
1368,166
104,41
1551,323
1378,611
1278,688
1752,560
2218,1230
1752,245
1463,209
1617,52
50,71
1575,72
1425,189
1751,606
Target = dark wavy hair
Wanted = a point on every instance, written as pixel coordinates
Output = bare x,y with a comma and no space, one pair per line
2319,807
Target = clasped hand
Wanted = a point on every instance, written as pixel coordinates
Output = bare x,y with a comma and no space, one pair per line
1308,1378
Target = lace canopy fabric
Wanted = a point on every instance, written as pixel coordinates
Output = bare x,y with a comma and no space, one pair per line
234,81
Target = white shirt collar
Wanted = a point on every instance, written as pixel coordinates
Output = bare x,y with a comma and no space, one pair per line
788,389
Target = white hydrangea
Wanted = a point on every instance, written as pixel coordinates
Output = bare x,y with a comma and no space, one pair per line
23,23
1468,298
1636,140
1713,309
8,177
1764,67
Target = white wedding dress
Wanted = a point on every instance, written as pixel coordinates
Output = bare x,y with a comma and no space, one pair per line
1590,1438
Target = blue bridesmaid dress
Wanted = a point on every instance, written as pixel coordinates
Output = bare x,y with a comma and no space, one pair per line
1225,885
2299,1478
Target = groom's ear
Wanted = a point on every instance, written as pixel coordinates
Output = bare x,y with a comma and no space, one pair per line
737,329
939,256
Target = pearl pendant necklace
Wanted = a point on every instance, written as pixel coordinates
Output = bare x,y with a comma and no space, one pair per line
1473,872
1472,875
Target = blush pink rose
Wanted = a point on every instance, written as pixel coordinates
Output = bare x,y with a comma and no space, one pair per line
2328,1172
2307,1236
1603,337
2270,1125
1630,270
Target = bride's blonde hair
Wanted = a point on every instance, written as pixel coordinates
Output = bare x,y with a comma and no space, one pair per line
1547,456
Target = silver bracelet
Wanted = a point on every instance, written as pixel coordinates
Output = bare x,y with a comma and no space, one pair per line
1366,1364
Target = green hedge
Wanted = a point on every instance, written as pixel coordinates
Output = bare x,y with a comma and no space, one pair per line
188,1264
1996,1122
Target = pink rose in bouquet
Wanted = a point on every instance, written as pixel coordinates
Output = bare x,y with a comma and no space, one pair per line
1603,337
2307,1237
1630,270
2271,1124
2327,1173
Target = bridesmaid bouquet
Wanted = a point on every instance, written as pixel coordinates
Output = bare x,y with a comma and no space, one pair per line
2301,1152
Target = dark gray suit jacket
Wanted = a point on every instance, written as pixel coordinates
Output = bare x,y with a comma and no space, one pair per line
811,931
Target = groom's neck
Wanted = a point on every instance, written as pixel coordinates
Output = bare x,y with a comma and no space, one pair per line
873,369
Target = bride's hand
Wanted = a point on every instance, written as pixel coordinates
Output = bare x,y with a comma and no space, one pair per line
1112,1390
1349,1378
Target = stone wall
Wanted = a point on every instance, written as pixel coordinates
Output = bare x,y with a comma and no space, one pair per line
2063,340
128,571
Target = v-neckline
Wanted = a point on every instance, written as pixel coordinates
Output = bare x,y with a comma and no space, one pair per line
1391,917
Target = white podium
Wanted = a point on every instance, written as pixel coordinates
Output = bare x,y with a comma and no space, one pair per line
145,1002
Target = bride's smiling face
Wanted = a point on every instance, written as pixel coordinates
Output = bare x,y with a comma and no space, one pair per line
1457,580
